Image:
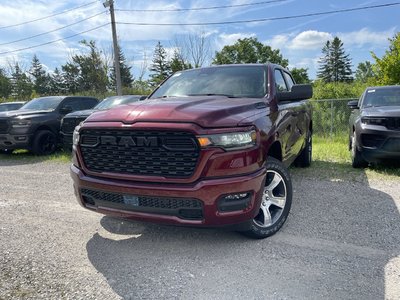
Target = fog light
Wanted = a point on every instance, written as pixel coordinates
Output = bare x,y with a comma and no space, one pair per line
234,202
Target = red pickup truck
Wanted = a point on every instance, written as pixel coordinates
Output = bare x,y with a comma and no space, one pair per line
209,147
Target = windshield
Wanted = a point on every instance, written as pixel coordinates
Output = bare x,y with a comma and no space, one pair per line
45,103
382,97
114,101
242,81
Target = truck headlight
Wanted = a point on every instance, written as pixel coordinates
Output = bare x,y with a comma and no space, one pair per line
229,141
373,121
20,123
75,135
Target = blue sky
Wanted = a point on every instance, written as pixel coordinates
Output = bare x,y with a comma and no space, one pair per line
299,40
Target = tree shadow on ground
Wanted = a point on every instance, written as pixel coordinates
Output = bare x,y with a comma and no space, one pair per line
339,243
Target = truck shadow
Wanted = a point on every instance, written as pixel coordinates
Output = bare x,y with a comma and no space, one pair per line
341,241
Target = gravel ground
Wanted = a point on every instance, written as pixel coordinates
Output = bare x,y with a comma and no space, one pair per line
341,241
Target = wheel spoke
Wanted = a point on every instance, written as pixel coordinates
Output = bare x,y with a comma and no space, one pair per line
278,201
274,183
267,219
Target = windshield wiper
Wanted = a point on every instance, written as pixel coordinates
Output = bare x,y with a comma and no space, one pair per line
211,94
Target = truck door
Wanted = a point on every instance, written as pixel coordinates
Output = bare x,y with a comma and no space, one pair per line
289,125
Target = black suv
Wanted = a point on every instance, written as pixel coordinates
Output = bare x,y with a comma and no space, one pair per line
374,133
35,125
70,121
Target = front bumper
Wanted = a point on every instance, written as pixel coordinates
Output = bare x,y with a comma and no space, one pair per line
66,140
14,141
207,192
377,143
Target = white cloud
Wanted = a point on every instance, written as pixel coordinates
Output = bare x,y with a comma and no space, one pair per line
365,36
278,41
229,39
310,39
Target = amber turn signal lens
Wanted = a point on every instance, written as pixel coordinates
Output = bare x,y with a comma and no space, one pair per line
204,141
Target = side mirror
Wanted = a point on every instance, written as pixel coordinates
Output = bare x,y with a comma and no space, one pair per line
353,104
66,109
297,92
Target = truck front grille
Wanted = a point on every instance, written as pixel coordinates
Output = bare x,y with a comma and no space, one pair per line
393,123
4,126
69,124
181,207
148,153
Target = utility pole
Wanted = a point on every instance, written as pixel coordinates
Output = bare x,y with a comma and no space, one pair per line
110,3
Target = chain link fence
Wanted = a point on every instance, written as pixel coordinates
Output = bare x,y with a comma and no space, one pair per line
330,116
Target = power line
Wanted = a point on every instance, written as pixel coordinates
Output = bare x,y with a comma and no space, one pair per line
264,19
49,16
54,30
54,41
201,8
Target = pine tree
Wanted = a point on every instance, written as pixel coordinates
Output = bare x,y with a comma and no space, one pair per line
177,63
86,72
335,64
125,71
40,78
56,86
161,68
21,84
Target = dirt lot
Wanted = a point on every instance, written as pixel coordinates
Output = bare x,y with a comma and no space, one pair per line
341,241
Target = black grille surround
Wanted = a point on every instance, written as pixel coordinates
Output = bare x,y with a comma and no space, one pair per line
393,123
184,208
167,154
69,124
4,126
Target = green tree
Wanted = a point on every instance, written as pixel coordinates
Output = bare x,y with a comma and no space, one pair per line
160,67
177,63
335,64
388,67
125,71
40,78
5,85
364,72
56,81
300,75
249,50
71,77
86,72
21,84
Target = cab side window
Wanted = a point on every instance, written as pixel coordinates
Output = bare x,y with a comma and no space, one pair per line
280,82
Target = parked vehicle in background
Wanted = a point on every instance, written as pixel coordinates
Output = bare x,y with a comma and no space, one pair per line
70,121
210,147
11,105
374,126
35,126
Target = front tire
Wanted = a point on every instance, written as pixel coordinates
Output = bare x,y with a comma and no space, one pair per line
275,203
356,159
44,143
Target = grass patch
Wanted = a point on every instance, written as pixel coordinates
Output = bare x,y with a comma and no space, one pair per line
331,159
25,156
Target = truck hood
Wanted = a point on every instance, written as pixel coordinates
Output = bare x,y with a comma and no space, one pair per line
81,113
23,113
205,111
381,111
